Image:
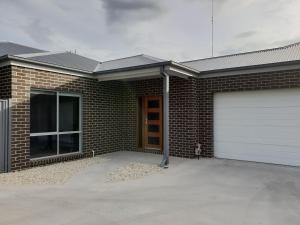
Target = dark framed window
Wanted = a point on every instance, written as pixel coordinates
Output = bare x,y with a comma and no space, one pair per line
55,123
43,112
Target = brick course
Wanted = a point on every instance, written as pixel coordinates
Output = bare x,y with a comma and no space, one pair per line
110,109
102,113
5,82
208,86
184,117
133,90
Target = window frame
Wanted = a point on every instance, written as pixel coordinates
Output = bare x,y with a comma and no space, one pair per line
57,132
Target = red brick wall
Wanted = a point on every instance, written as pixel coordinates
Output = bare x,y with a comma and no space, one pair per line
208,86
184,116
102,112
110,108
131,91
5,82
183,113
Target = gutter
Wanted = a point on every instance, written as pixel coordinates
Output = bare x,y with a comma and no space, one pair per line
247,69
165,63
18,61
184,67
125,69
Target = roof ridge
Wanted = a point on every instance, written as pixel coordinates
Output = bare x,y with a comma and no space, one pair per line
97,67
29,55
10,42
244,53
122,58
72,53
153,58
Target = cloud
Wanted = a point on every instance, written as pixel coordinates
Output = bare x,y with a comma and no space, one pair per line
177,29
125,10
38,32
246,34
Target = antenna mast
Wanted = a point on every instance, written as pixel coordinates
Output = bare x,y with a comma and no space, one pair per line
212,28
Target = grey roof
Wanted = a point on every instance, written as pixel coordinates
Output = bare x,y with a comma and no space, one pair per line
65,59
75,61
268,56
133,61
9,48
289,53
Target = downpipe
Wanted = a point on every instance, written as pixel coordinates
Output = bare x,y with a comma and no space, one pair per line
165,161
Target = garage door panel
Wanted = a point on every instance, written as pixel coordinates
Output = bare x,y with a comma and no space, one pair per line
260,141
255,142
252,152
273,116
261,126
263,98
286,134
261,123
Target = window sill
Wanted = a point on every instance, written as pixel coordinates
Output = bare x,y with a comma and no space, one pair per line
57,156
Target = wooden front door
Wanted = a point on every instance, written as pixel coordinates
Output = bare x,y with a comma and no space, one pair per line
153,121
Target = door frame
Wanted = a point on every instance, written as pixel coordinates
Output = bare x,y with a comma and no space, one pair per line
143,145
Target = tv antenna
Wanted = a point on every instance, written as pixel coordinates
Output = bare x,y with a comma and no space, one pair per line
212,28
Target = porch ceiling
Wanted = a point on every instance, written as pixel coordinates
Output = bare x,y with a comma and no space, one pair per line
148,72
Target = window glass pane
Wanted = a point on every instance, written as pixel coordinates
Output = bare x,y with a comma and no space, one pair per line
42,146
153,128
153,104
68,143
153,140
153,116
42,112
68,113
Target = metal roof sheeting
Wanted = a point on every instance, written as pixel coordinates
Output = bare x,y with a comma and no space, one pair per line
276,55
73,61
8,48
138,60
66,59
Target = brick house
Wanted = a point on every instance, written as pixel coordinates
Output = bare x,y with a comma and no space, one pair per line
58,106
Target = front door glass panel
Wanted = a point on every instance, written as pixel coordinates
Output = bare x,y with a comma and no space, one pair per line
152,126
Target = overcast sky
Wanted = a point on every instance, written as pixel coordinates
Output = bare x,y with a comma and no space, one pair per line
169,29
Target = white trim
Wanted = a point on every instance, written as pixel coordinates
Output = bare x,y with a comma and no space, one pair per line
70,132
54,133
133,74
43,134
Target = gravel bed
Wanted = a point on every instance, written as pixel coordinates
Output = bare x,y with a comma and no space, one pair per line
133,171
51,174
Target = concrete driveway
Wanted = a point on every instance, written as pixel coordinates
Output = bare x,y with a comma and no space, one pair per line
208,191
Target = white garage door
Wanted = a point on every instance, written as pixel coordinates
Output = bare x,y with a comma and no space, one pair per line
261,126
